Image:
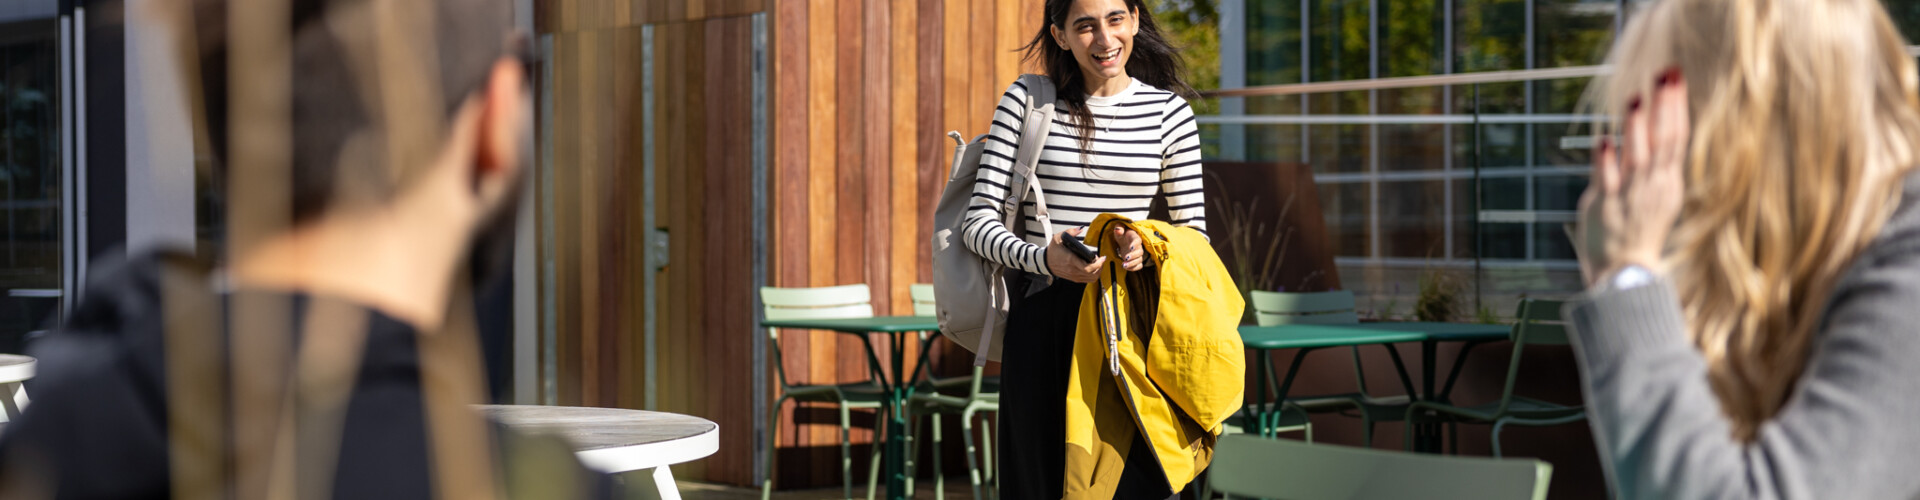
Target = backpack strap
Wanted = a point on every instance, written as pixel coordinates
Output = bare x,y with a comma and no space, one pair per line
1033,138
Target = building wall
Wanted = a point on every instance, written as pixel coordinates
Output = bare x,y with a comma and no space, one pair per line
590,212
864,93
860,96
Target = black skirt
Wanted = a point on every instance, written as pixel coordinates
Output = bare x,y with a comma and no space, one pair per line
1033,410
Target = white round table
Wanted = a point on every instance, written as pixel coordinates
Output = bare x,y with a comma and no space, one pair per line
619,440
14,369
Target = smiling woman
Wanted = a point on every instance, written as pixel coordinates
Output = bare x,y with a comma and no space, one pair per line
1124,136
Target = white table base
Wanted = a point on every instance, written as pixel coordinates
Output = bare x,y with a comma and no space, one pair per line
640,445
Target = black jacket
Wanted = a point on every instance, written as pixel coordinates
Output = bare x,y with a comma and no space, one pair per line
97,425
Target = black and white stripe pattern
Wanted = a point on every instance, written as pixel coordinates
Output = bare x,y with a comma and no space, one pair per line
1145,143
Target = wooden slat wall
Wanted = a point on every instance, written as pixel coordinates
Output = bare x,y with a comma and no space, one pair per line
864,92
702,75
861,94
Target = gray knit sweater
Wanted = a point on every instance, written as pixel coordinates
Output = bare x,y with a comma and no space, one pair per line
1850,429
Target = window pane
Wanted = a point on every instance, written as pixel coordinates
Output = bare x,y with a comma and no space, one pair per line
1410,38
1277,143
1273,43
1273,143
1338,148
1346,212
1465,221
1412,147
1560,192
1503,193
1501,144
1504,240
1338,48
1489,35
1550,242
30,172
1411,221
1572,32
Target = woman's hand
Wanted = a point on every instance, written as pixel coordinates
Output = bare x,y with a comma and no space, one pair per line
1633,200
1127,243
1063,263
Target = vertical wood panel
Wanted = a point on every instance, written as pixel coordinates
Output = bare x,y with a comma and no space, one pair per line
729,235
612,228
626,227
1007,34
852,174
789,249
861,94
822,197
904,190
929,120
588,168
676,10
669,60
696,222
876,105
566,174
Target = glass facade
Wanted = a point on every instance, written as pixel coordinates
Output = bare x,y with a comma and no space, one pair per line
30,184
1477,181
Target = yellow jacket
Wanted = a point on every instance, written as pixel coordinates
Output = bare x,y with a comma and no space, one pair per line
1190,359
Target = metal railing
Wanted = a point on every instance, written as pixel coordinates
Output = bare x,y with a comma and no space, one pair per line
1403,82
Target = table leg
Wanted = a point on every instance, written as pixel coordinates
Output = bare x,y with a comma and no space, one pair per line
899,394
1256,421
896,436
12,399
1427,435
653,484
1280,393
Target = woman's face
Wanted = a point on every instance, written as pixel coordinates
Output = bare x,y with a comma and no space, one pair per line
1100,35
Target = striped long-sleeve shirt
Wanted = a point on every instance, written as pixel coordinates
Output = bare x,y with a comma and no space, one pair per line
1145,143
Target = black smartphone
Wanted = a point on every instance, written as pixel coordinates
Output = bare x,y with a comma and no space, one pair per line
1079,247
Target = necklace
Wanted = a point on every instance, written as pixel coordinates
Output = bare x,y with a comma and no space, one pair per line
1108,128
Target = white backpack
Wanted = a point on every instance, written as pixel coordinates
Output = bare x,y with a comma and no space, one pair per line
970,292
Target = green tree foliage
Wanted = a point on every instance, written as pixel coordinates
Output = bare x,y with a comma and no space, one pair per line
1193,26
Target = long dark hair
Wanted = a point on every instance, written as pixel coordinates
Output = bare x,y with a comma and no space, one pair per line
1153,61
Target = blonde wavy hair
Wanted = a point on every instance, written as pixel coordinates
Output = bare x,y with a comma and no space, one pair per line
1805,115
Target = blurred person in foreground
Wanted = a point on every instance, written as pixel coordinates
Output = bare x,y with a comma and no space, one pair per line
405,127
1751,241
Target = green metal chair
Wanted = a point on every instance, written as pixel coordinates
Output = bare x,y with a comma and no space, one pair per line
967,396
1538,323
846,301
1327,308
1273,468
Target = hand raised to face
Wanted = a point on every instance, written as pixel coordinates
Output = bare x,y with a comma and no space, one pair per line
1630,206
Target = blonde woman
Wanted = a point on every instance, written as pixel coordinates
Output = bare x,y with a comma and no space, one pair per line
1752,244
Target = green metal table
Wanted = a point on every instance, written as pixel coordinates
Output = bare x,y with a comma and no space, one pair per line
899,388
1307,338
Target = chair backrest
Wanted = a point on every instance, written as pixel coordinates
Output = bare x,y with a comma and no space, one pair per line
1311,308
922,294
1247,465
829,302
1319,308
1539,322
